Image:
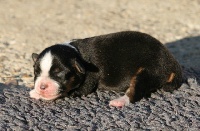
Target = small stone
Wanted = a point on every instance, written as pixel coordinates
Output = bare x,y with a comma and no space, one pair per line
25,75
3,58
11,82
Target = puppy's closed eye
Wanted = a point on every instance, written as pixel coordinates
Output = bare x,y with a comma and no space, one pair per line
57,70
62,73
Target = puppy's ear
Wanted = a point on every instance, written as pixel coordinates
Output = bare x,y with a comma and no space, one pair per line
79,67
34,57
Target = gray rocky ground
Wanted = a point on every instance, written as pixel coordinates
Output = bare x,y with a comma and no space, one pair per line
30,26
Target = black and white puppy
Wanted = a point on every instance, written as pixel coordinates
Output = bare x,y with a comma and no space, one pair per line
131,62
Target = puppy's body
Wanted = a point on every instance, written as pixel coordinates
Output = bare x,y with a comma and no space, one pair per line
132,62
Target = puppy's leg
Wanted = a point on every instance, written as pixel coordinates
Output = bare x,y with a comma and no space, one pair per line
34,94
90,85
129,95
127,98
120,102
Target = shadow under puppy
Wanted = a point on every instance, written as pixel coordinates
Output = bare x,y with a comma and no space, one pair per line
130,62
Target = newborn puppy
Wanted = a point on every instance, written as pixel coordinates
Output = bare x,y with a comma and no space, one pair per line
131,62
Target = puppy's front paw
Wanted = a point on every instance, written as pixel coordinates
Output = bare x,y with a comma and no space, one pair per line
120,102
34,94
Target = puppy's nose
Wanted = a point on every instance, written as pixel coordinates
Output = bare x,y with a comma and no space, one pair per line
43,86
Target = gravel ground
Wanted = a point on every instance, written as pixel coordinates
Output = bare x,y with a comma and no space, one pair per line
30,26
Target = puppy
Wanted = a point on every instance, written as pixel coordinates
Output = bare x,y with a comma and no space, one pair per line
131,62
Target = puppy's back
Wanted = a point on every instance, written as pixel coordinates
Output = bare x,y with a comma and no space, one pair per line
120,55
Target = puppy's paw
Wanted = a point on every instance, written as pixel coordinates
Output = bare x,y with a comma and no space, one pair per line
120,102
34,94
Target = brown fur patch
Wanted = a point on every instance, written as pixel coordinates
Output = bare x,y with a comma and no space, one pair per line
130,92
139,70
171,77
77,67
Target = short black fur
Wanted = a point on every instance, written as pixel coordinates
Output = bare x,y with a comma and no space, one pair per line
111,61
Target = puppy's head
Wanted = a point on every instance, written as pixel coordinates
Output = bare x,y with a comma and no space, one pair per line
58,70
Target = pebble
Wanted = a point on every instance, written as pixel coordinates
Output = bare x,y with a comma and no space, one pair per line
11,82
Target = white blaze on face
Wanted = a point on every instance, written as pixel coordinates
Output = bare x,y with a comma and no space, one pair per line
52,87
45,64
